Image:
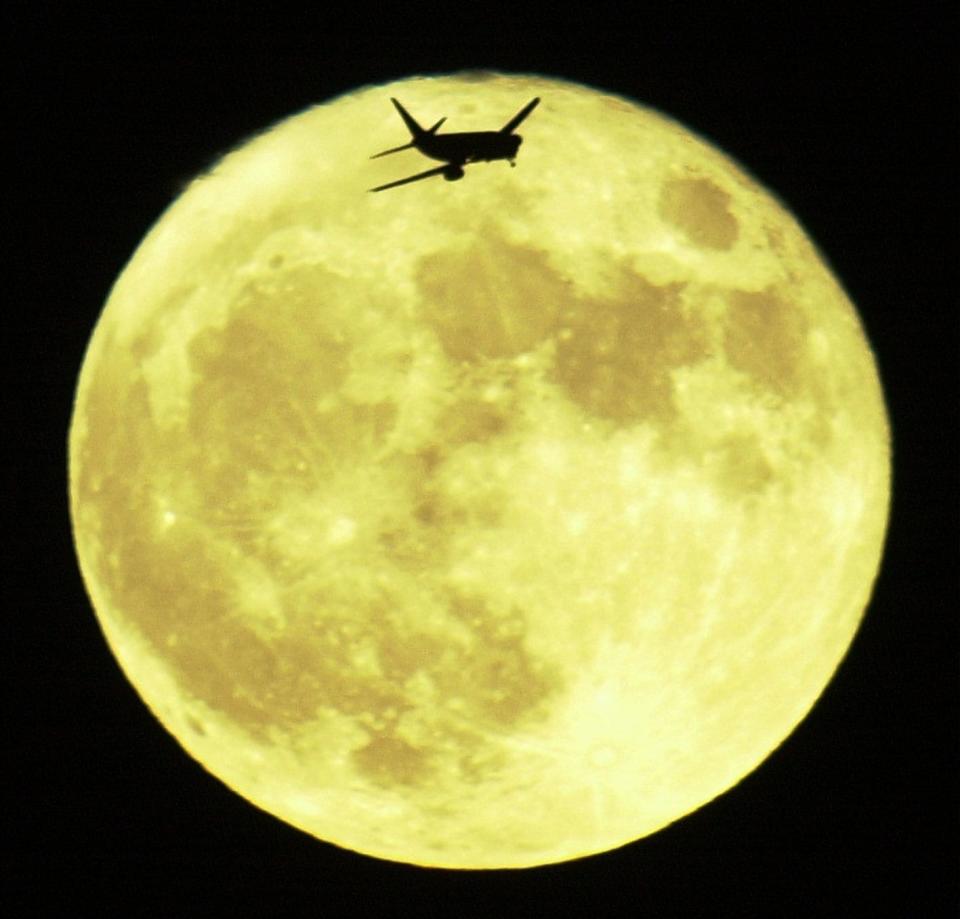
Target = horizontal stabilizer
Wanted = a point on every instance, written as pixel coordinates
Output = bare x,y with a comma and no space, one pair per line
393,150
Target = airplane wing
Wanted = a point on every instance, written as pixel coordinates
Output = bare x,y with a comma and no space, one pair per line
514,122
415,178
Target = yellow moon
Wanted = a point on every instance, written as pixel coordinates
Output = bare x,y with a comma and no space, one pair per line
479,524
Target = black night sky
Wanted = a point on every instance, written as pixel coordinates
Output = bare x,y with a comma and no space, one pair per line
852,123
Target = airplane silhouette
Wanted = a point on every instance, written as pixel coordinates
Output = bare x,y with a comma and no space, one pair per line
456,150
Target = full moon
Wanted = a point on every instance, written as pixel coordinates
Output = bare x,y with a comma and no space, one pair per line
486,523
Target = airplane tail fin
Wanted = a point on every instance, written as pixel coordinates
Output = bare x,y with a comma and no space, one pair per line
410,121
514,122
415,130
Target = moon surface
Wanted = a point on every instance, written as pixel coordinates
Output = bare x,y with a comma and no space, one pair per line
479,524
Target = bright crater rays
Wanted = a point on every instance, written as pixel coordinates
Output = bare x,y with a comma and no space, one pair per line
480,524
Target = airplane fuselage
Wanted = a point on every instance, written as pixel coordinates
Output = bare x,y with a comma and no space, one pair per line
469,146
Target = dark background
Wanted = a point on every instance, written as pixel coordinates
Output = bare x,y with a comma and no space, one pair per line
850,117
